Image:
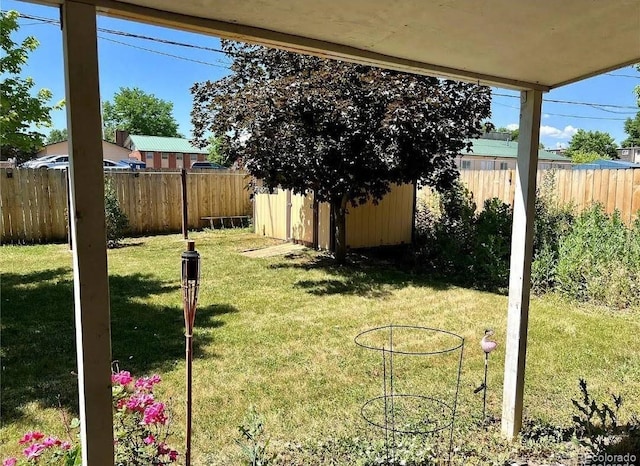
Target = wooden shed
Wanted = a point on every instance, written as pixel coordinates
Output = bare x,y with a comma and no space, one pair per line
288,216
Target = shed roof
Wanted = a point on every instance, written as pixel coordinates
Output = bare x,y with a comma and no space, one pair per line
162,144
508,149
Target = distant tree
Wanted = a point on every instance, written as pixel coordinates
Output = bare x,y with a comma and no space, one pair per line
632,125
514,133
216,152
344,131
20,110
57,135
593,141
137,112
632,128
488,127
579,156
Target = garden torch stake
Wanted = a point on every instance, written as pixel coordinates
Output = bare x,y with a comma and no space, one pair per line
190,286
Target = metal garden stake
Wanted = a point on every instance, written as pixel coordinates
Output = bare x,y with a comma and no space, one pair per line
190,285
487,346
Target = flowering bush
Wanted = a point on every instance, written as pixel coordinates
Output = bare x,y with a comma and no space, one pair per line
140,430
140,422
45,449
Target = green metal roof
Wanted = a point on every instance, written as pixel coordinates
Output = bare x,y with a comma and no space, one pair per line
163,144
507,149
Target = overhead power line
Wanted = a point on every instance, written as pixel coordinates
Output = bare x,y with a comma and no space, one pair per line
572,102
163,53
225,65
622,75
569,116
132,35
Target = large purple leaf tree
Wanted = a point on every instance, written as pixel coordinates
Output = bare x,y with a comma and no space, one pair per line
343,131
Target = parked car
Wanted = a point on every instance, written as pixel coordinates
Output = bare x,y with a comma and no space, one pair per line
31,163
53,160
206,165
111,165
57,166
106,163
133,164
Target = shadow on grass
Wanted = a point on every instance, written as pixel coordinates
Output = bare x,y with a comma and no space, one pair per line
38,335
364,275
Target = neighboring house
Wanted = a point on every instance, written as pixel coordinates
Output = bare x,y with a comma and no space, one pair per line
163,152
491,154
629,154
109,150
603,164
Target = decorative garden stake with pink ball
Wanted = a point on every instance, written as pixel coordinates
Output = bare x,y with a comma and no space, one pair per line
487,346
190,286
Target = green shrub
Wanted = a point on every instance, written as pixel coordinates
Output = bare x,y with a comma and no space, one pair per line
492,246
599,259
116,220
552,222
454,241
444,238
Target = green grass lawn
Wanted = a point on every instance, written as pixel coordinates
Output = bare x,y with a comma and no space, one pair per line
278,334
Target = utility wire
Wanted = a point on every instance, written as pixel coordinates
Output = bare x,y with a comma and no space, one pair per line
599,106
564,115
572,102
132,35
623,75
163,53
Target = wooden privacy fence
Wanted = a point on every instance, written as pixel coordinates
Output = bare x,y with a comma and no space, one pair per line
34,202
284,215
614,189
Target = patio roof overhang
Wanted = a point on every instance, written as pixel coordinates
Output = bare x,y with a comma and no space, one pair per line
531,46
525,45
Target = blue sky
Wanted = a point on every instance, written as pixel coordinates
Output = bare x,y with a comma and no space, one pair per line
170,78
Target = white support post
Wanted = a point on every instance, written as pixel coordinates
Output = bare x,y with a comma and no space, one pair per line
91,281
521,257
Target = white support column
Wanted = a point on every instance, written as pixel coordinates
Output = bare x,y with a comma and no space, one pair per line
521,257
91,282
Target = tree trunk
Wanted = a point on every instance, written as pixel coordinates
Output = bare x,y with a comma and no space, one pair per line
413,211
338,213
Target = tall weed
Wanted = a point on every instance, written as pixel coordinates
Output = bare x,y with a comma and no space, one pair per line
599,259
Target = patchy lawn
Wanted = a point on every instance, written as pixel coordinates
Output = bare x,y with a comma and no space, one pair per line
278,334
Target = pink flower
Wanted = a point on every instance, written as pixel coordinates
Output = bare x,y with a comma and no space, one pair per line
173,455
33,451
139,401
65,445
163,449
51,441
122,378
30,437
10,462
147,383
149,439
154,414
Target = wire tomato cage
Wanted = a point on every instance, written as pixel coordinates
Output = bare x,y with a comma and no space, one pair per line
410,354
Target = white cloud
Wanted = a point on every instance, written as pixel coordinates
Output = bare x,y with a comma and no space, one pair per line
512,126
546,115
553,132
